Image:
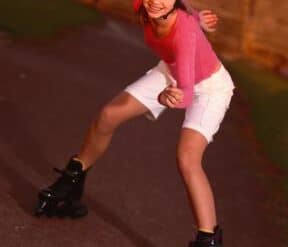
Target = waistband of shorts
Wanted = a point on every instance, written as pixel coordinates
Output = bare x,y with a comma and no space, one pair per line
219,71
219,80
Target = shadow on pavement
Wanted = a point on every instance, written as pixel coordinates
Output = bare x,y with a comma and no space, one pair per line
115,221
18,164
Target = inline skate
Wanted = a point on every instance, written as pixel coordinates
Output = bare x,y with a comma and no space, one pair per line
216,240
63,198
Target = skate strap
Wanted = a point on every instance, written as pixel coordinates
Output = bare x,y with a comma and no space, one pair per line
65,172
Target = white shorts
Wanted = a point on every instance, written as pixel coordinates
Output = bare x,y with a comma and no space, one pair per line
211,99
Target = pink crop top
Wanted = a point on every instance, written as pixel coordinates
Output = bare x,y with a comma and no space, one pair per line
186,51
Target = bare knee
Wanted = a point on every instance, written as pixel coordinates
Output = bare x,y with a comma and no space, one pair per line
188,161
190,151
121,108
107,119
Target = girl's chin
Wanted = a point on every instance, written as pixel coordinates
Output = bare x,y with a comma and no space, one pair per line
154,15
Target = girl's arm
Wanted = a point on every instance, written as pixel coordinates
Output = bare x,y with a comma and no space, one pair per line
184,70
185,67
206,18
171,96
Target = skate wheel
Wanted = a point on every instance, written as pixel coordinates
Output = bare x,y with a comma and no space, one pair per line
41,208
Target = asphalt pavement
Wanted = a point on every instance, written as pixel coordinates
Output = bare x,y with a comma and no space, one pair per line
49,92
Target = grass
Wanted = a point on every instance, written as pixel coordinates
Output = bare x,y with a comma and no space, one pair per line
268,95
38,18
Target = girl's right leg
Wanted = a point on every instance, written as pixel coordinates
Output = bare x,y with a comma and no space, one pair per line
63,198
122,108
137,99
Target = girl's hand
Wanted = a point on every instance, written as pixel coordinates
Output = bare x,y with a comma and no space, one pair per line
171,96
208,20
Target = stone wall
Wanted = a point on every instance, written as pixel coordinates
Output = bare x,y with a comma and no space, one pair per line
257,29
230,27
267,32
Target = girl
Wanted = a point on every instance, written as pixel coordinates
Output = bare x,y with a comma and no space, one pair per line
189,76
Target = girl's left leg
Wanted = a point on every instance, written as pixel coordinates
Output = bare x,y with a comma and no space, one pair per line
191,147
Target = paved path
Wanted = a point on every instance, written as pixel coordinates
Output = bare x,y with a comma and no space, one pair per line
50,91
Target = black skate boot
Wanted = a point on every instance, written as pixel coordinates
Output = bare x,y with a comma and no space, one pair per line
63,198
216,240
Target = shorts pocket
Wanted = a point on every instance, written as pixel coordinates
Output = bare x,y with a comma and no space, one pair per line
217,105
